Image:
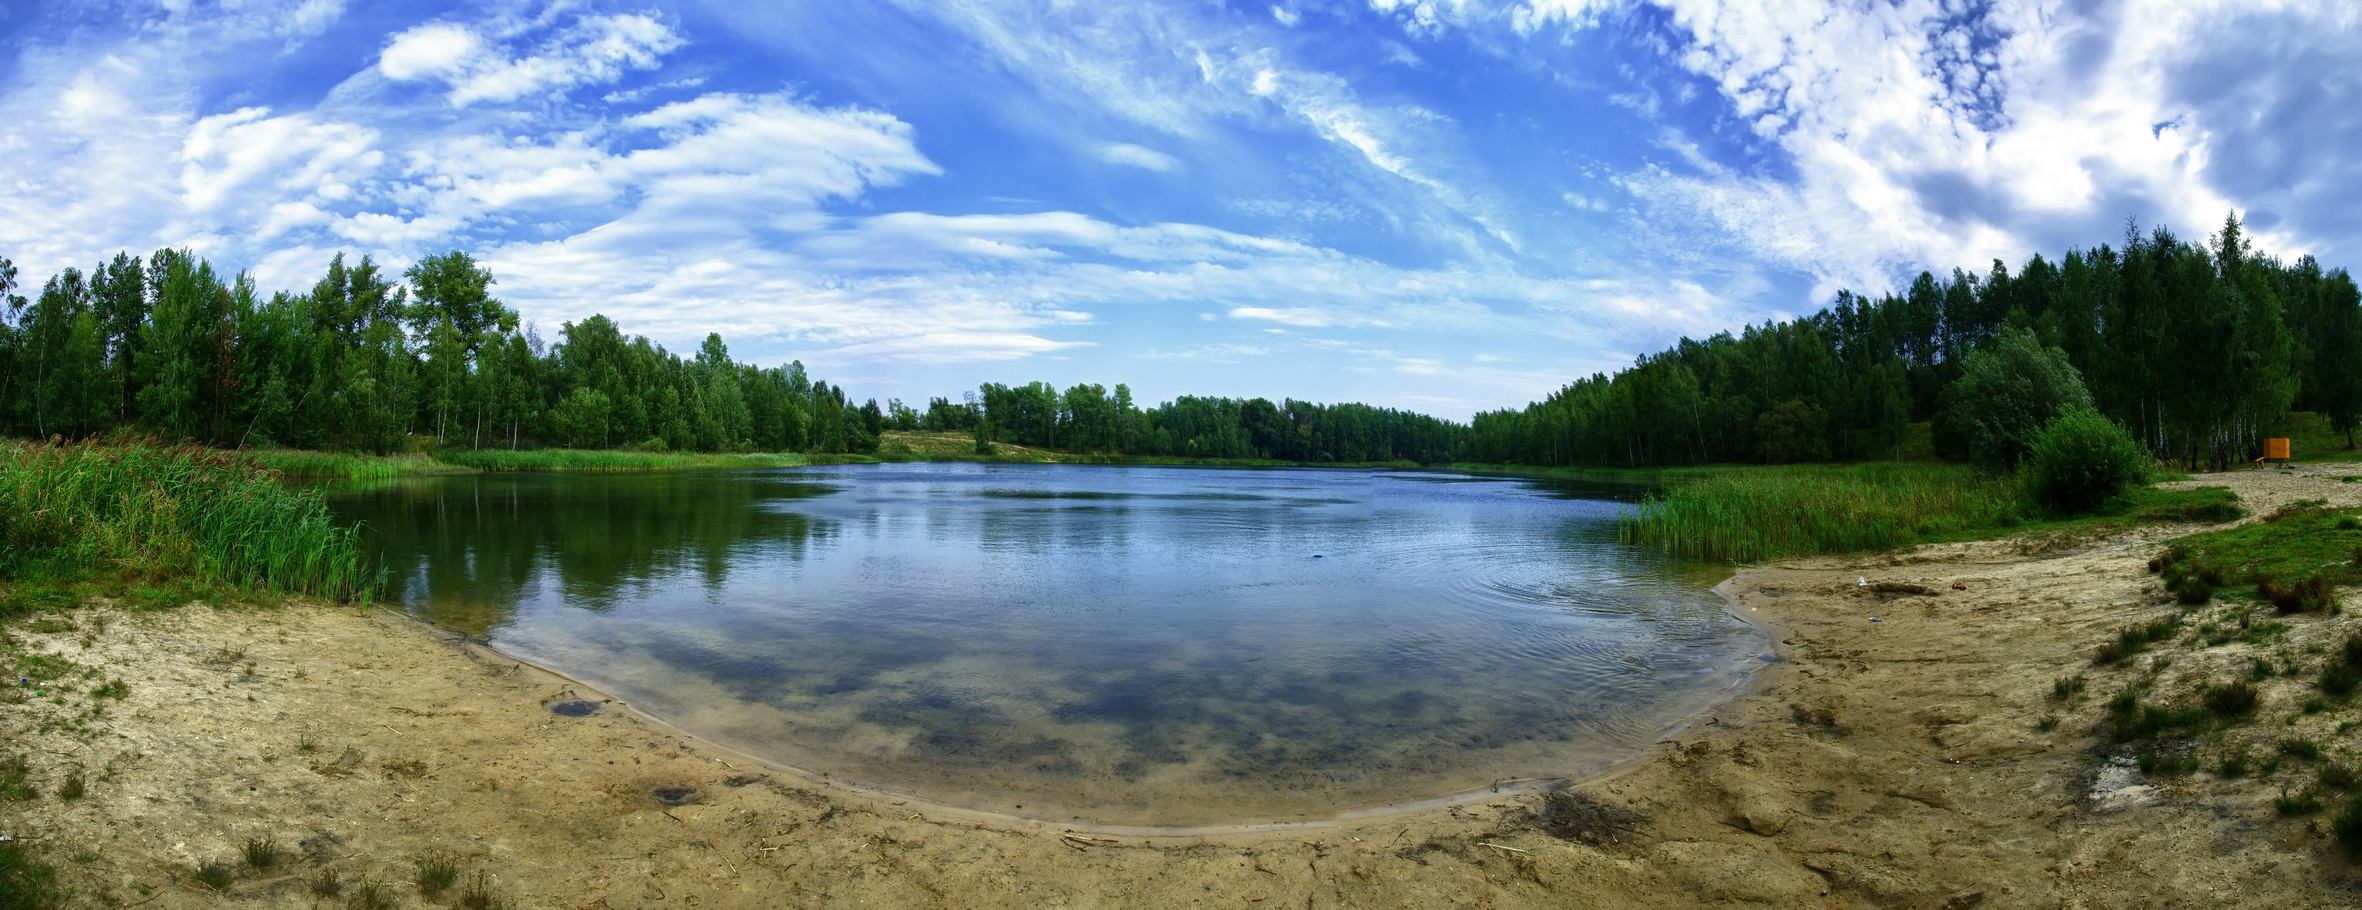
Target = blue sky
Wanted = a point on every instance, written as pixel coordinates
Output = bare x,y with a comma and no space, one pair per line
1445,205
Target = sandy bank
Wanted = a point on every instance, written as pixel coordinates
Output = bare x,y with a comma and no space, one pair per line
1880,764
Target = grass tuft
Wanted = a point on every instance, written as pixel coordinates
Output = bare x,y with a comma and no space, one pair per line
2231,700
478,895
436,874
2291,804
2133,640
370,894
215,876
261,853
16,780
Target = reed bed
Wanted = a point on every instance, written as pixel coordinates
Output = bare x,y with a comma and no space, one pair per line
345,465
609,460
72,512
1755,514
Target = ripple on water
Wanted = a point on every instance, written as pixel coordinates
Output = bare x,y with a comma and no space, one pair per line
1133,646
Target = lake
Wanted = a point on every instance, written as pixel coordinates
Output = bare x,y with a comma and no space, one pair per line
1117,645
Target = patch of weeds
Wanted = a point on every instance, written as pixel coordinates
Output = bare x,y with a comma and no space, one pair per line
74,787
326,882
2312,595
2046,723
478,895
2292,804
2066,687
2314,705
2339,777
2301,749
2160,763
2347,827
2235,763
2231,700
261,852
2339,679
1572,816
25,881
2259,669
51,625
305,744
224,658
2131,640
2133,720
215,876
113,688
369,894
436,874
16,780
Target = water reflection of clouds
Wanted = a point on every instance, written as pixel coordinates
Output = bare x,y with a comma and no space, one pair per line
1141,644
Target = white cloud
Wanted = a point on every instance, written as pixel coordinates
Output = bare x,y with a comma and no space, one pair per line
1965,138
1300,317
592,50
433,50
1286,16
1142,157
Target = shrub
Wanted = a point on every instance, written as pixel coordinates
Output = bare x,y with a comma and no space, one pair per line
2347,826
2236,699
2081,459
2339,679
2310,595
2007,392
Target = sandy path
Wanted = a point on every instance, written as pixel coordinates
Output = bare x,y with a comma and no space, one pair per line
1879,764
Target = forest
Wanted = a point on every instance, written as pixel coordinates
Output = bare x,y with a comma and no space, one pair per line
2196,348
375,362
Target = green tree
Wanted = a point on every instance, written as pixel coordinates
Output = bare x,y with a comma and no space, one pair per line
2008,390
2337,354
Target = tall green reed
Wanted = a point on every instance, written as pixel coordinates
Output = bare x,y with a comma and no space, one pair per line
130,509
1754,514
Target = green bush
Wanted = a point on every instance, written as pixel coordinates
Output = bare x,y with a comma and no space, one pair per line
2082,459
2008,391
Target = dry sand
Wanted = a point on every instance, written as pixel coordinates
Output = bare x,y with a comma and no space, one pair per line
1879,764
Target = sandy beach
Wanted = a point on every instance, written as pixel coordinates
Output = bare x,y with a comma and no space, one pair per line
1894,756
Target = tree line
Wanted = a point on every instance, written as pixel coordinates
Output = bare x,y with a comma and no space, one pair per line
368,360
2196,348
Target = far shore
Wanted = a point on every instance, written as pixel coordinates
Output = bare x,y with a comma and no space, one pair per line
1894,756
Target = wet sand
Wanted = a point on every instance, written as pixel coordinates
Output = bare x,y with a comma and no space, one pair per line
1878,764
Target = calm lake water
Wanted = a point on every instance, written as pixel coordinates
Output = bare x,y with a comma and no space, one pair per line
1154,646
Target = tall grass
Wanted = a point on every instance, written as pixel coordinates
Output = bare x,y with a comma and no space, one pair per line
85,511
345,465
1753,514
609,460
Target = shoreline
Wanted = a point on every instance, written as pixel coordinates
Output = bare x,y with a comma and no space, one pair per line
1889,764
